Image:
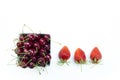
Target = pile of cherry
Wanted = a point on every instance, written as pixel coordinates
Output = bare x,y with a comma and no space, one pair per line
33,50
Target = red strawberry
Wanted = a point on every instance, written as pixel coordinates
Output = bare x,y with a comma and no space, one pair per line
95,55
79,56
64,54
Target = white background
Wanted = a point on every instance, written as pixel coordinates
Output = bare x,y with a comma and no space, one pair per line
75,23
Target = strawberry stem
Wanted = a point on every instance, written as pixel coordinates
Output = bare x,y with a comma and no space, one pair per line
67,63
81,67
81,62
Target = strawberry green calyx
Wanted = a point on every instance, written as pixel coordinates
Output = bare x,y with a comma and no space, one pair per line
80,61
96,61
62,62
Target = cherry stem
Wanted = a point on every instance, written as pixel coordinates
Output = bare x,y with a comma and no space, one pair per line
40,31
46,70
28,62
26,27
38,70
36,49
16,39
56,42
25,39
11,61
21,53
14,56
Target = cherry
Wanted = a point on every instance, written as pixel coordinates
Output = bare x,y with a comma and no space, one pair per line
21,38
37,37
31,37
32,52
41,62
26,51
47,58
34,59
42,52
47,37
27,44
19,44
31,65
24,58
42,41
23,64
19,50
36,45
47,47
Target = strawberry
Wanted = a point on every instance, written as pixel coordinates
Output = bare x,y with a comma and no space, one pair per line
64,54
79,56
95,55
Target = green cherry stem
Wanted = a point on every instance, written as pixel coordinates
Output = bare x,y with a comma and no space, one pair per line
14,41
26,27
56,42
11,61
38,69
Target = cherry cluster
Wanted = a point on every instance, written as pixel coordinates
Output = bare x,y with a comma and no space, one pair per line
33,50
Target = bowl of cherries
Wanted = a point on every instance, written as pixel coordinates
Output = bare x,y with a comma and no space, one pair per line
33,50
